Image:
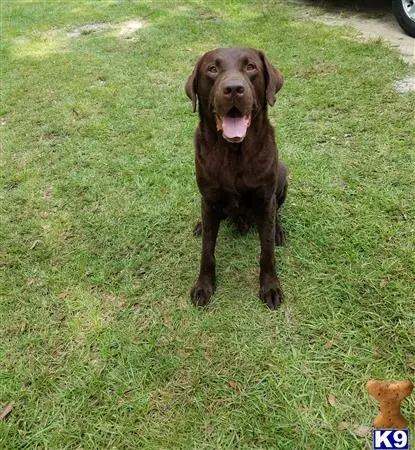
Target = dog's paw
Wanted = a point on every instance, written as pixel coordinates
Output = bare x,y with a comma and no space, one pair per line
197,230
201,293
271,294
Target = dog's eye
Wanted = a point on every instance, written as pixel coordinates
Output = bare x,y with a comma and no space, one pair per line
212,69
250,67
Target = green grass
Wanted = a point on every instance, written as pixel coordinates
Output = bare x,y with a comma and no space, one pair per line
100,346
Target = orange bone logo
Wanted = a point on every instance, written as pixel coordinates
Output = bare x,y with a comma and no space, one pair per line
390,396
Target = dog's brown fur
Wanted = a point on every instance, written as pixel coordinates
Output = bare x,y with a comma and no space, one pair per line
240,180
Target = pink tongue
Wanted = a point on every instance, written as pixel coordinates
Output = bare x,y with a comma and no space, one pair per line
235,127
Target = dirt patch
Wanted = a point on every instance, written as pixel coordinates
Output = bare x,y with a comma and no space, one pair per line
128,29
58,40
405,85
123,29
91,28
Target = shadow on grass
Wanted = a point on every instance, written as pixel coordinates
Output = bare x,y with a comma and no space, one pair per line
364,7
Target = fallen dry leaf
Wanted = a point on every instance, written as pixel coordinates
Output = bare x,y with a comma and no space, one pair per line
48,193
380,354
343,425
329,344
233,384
23,326
6,410
331,399
384,282
35,244
300,407
362,431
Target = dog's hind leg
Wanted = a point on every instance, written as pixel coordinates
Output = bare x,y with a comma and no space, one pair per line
281,195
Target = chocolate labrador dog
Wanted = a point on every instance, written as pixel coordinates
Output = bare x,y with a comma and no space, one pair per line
237,169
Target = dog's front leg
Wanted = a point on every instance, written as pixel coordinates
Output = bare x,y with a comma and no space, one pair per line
270,290
205,285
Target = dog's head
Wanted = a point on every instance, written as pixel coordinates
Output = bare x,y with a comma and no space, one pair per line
231,86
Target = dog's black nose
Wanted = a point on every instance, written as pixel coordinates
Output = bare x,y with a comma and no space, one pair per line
233,87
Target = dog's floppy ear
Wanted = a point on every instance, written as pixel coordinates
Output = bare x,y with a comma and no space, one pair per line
273,80
191,85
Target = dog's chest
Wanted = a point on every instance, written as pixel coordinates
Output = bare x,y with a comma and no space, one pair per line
230,170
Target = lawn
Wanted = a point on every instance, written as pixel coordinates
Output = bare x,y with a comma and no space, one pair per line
100,346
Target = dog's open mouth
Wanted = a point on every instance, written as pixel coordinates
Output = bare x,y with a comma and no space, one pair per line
234,125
